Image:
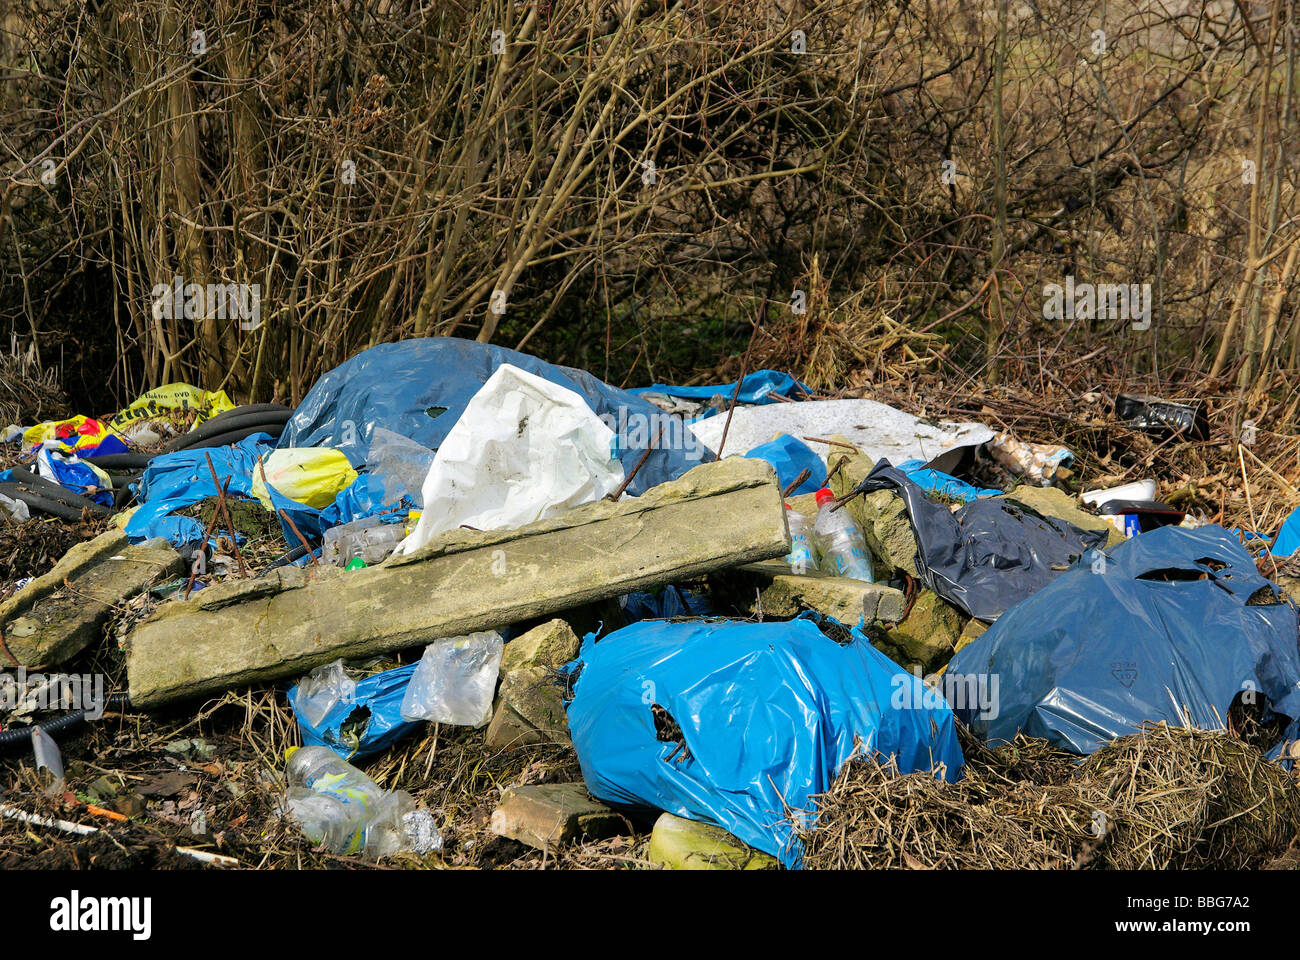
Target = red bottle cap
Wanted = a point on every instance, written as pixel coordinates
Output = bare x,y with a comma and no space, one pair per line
823,496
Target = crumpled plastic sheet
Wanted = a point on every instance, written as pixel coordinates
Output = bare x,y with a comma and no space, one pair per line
1169,626
524,449
877,429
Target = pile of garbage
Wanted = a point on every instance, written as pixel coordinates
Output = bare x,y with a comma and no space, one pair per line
743,614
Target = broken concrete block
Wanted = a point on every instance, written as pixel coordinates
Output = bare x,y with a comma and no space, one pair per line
508,729
530,709
782,593
679,844
63,621
551,645
888,532
1054,502
80,558
552,815
717,515
928,637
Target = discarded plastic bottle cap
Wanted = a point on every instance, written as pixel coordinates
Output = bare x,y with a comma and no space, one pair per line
824,495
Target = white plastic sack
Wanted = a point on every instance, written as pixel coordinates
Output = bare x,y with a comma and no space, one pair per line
524,449
455,680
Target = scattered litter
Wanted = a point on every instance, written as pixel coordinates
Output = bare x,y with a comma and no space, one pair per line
1163,417
1040,463
841,548
321,690
359,722
340,807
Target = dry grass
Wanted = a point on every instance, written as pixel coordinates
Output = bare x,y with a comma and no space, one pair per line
1165,798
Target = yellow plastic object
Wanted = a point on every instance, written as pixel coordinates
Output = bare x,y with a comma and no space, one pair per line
310,475
173,396
123,517
80,432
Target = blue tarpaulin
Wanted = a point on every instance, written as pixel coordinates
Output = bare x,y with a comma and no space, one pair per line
728,722
419,388
377,724
791,456
1170,626
181,479
761,386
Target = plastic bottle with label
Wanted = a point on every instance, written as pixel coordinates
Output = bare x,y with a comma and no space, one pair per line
839,542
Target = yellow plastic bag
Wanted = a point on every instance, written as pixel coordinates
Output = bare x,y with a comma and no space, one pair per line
310,475
173,396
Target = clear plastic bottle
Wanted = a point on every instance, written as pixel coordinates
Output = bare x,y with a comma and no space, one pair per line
369,539
800,557
338,805
838,540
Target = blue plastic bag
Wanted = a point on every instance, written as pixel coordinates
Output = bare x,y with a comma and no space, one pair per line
790,457
377,727
935,481
761,386
1170,626
729,722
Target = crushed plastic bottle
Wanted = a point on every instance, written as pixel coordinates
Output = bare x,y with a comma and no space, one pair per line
368,539
800,557
839,542
338,805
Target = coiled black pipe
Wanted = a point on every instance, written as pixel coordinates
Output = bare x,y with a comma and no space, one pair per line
251,408
111,462
19,739
57,502
215,434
